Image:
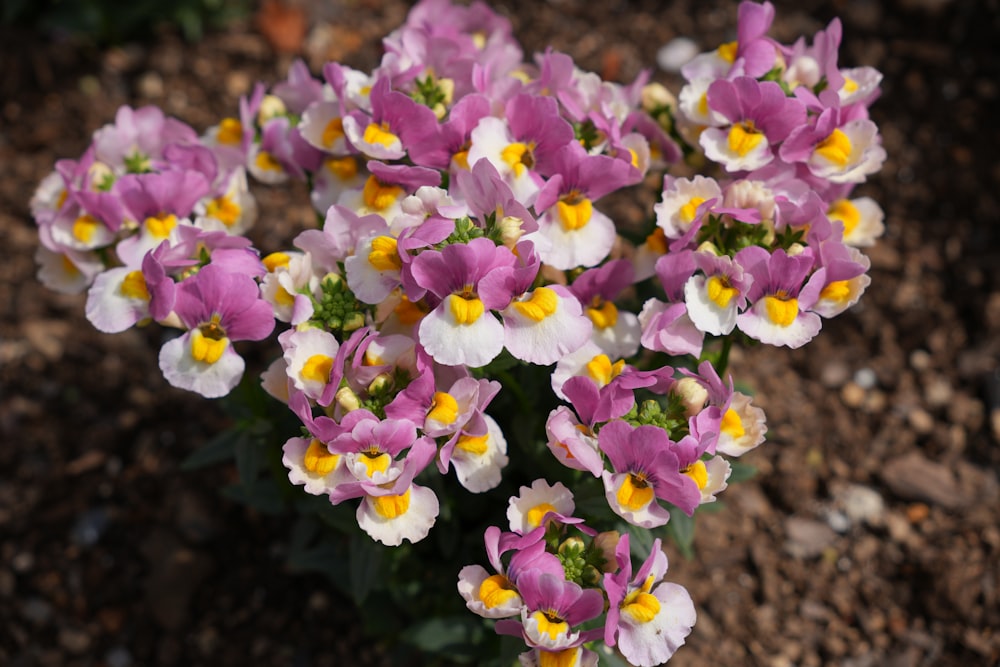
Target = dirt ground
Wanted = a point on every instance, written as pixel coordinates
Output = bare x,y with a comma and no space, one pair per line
870,538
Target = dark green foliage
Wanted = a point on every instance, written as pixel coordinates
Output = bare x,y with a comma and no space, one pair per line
105,22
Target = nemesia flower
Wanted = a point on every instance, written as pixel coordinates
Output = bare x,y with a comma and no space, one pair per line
496,596
779,301
311,465
752,54
579,234
68,272
396,121
529,510
552,608
861,218
289,281
759,116
616,331
716,295
648,619
644,470
743,427
117,299
667,325
479,459
309,357
684,203
836,149
218,308
460,330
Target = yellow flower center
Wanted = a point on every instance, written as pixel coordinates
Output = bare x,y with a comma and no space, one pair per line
378,196
519,156
444,408
720,291
276,260
744,137
230,132
837,291
537,513
160,226
781,310
134,286
409,312
574,211
836,148
477,445
84,228
603,314
383,255
496,590
465,310
728,51
698,472
392,507
850,85
333,131
224,209
845,211
376,461
208,342
461,158
549,623
267,162
602,371
657,242
732,425
635,492
318,459
640,606
317,368
689,210
344,168
564,658
379,134
543,302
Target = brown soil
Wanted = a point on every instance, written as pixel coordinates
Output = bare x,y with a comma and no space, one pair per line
871,536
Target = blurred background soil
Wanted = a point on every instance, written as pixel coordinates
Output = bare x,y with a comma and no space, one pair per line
869,538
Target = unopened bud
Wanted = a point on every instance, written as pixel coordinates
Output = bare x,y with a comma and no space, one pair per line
270,107
607,543
656,96
708,248
353,322
347,399
795,249
382,382
692,395
571,545
590,576
510,230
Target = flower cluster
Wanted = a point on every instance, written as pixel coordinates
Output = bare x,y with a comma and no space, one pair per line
561,575
456,189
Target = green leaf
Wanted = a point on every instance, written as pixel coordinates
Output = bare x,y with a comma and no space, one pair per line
364,564
456,637
680,528
218,449
263,496
741,472
248,459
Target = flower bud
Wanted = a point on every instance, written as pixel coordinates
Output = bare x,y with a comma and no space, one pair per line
708,248
270,107
795,249
381,383
656,96
510,230
692,395
571,545
347,399
607,543
353,322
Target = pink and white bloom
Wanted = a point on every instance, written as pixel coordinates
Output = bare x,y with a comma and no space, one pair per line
218,308
648,618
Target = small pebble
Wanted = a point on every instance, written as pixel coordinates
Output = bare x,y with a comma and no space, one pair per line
921,421
852,394
676,53
865,378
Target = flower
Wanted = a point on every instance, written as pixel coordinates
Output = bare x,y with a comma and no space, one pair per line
218,308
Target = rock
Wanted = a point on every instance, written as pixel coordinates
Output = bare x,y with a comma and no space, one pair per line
914,477
861,504
676,53
806,537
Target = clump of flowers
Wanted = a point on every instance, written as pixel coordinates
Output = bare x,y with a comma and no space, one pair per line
460,247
